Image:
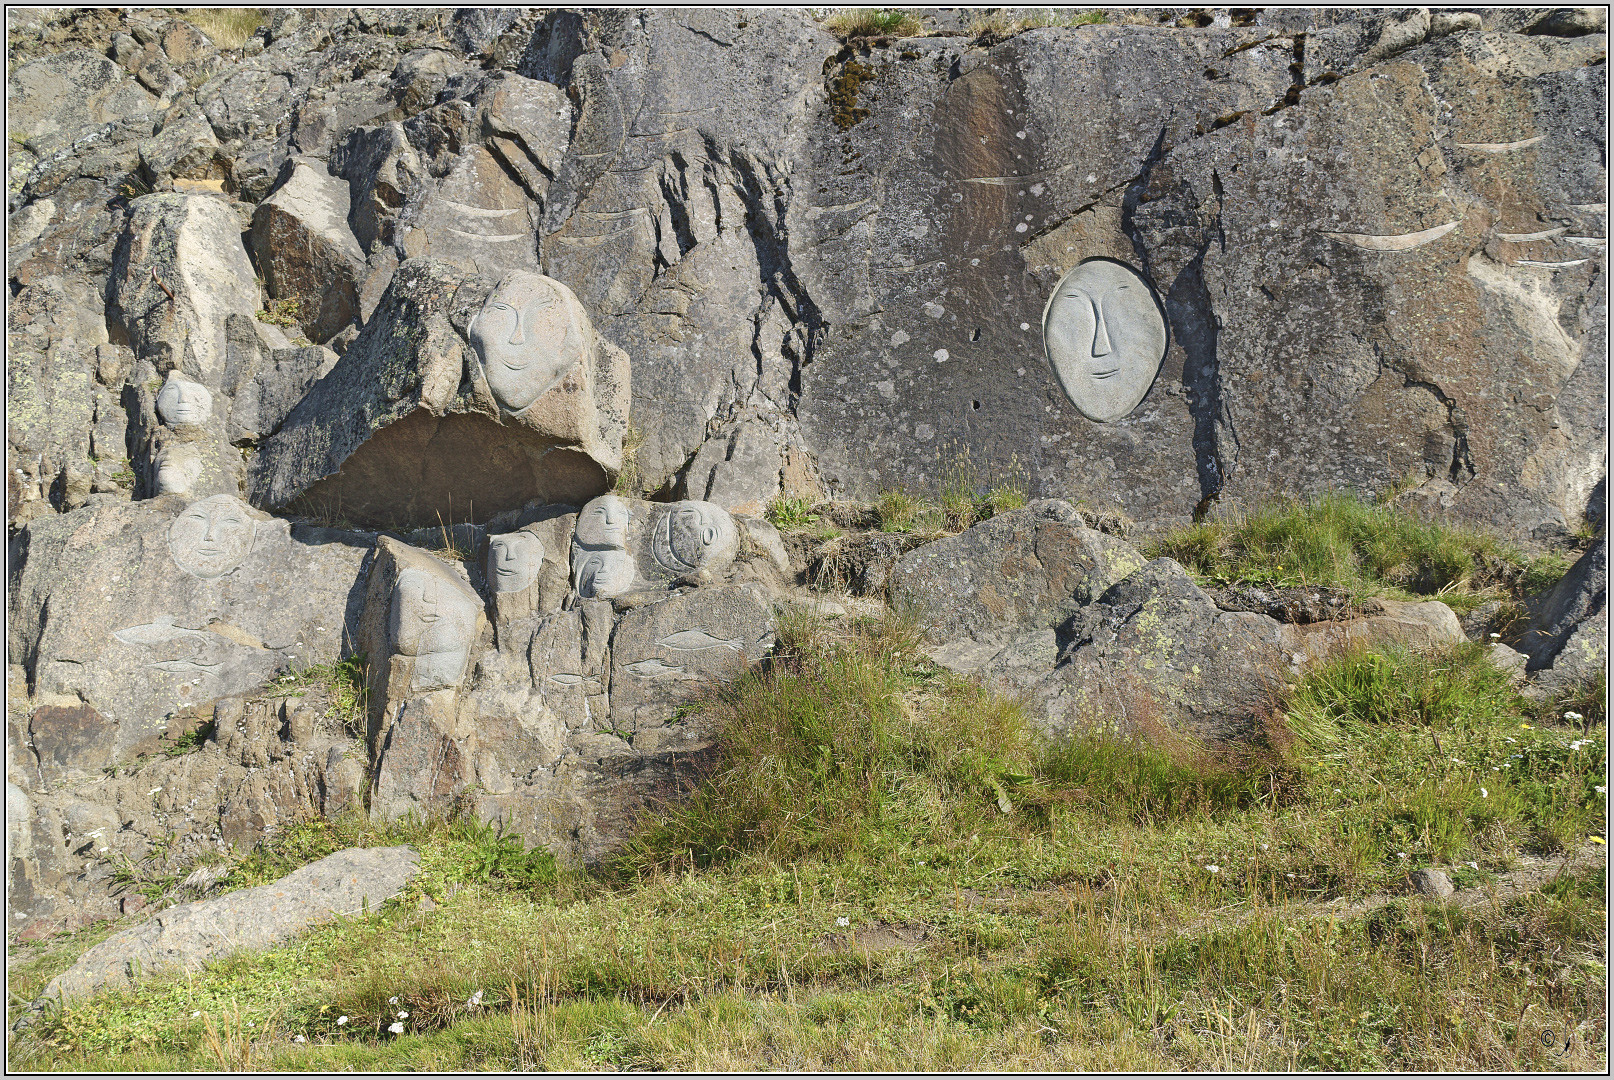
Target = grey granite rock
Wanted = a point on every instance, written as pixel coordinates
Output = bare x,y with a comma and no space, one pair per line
183,938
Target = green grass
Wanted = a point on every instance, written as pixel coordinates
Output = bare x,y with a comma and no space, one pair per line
872,22
792,512
1341,541
343,685
1000,25
1072,904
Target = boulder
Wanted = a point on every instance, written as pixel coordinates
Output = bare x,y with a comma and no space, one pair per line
52,100
306,251
1026,569
461,399
183,938
1580,595
124,614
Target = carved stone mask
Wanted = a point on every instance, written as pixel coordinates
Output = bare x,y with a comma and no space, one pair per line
603,523
181,401
602,574
514,560
528,338
210,537
692,535
1105,337
178,468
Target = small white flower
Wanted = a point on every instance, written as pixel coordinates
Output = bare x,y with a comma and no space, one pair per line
1213,868
1496,637
1509,738
1484,794
1495,769
396,1029
340,1021
1401,854
153,791
843,921
1472,865
195,1014
1265,846
1573,716
403,1016
1601,789
298,1038
1454,761
392,1001
1290,876
475,999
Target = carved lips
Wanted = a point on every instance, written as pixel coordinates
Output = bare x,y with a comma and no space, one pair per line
1105,337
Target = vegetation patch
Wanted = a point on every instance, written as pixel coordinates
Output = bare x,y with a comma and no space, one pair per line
847,23
1340,541
1087,903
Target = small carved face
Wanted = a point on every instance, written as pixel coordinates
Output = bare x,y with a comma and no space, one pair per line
514,560
600,575
693,534
527,338
210,537
1105,337
178,469
181,401
603,523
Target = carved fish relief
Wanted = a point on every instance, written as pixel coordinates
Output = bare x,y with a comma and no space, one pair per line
651,669
698,640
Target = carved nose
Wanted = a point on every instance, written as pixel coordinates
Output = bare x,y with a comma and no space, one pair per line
208,535
1101,336
516,337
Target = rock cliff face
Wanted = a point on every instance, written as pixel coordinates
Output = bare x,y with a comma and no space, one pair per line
337,344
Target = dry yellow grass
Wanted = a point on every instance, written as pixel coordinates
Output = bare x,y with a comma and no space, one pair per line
228,28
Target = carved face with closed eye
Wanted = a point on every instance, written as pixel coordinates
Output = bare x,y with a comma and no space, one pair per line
1105,337
528,337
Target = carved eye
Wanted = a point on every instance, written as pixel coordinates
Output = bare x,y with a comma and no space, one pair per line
709,535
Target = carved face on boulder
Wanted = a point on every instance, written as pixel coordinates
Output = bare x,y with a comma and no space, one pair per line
432,621
693,535
514,560
181,401
603,523
179,466
1105,336
210,537
528,336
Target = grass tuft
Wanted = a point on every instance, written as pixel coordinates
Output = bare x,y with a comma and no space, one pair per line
872,22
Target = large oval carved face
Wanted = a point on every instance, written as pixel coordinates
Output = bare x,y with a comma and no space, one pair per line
430,615
694,534
527,337
1105,337
210,537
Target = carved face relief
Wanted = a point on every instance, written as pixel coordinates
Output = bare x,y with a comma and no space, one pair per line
1105,336
514,560
210,537
181,401
179,466
692,535
433,622
527,337
603,523
600,575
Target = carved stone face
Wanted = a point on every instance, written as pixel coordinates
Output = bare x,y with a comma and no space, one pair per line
603,523
692,535
178,468
210,537
432,621
514,560
602,574
181,401
1105,337
527,337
